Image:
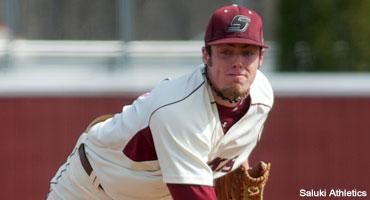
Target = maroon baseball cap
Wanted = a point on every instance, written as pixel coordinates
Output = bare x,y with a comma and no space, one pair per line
234,24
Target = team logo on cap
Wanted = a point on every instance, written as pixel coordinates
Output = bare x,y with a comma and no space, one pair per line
239,23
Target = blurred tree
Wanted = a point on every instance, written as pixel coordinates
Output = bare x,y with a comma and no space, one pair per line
330,35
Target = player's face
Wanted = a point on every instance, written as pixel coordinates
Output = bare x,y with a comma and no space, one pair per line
232,67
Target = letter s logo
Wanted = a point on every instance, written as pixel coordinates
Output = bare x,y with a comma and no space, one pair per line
239,23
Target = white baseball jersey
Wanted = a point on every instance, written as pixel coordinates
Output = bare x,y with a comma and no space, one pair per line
173,135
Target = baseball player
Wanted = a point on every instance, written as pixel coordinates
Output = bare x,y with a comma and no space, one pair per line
173,142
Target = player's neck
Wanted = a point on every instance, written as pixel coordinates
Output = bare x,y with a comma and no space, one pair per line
223,102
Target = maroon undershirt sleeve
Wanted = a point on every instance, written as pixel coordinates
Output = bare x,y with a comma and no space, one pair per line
193,192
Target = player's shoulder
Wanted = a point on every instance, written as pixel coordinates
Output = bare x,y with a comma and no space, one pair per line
183,84
173,90
261,90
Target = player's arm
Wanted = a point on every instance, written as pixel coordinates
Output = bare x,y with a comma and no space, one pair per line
194,192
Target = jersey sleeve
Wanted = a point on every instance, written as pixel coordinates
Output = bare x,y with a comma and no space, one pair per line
182,148
114,132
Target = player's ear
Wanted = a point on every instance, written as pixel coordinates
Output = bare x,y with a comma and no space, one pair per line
261,57
205,55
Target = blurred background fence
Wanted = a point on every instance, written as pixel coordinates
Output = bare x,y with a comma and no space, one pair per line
62,63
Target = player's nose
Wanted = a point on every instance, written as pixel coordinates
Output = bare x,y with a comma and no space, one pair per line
238,61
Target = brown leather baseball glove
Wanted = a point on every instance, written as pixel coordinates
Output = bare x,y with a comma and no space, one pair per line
242,184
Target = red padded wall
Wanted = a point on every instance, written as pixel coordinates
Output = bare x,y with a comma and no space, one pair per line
313,143
316,143
37,136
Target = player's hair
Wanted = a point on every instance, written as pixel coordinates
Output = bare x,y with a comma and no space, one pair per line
208,49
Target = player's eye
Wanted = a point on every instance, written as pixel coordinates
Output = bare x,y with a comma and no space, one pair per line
248,53
226,52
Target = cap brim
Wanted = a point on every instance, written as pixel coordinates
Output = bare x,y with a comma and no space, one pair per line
237,41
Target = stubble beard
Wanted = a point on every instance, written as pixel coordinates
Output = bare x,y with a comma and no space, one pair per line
234,92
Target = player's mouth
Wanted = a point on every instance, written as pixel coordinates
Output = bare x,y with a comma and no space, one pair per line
237,76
